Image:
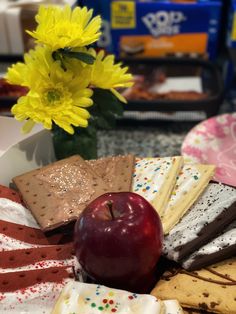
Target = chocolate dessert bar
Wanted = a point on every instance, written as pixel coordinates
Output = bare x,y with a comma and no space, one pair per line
56,194
213,211
220,248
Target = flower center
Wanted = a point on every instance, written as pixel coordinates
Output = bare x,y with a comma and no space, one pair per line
53,95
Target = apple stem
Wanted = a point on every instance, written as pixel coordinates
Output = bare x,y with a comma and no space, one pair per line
109,204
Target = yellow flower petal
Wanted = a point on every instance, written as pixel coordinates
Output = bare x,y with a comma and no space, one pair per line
108,75
28,126
118,95
52,96
60,27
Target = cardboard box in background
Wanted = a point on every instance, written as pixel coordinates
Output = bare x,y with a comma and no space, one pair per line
149,28
102,8
21,153
164,28
4,44
15,18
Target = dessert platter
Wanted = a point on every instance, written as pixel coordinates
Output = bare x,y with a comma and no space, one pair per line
119,234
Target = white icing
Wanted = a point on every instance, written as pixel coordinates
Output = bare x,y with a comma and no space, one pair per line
172,307
225,240
149,176
78,298
214,200
37,299
16,213
188,177
8,244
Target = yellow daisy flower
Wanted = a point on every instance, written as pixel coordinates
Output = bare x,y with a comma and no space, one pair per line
60,27
55,95
108,75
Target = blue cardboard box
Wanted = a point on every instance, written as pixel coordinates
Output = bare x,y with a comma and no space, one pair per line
163,28
157,28
102,8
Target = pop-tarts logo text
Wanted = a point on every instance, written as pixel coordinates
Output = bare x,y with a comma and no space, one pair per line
164,22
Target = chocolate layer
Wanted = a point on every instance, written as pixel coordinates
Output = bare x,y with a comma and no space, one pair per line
213,211
217,250
208,231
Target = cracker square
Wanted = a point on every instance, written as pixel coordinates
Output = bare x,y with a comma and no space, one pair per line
116,171
57,194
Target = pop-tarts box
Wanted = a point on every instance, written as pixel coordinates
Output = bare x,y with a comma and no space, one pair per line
149,28
231,37
102,8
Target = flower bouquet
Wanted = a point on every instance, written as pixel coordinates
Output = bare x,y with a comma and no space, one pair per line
72,88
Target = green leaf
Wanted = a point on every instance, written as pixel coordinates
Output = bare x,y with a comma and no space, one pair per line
82,142
106,109
105,122
107,102
56,55
82,56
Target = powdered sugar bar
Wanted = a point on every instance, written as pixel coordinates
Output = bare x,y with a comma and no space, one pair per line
80,298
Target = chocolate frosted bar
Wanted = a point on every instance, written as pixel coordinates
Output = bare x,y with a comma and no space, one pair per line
222,247
116,171
57,194
214,211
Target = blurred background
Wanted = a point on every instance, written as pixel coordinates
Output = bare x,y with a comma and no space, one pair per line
182,55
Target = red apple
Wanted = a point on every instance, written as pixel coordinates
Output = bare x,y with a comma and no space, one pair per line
118,241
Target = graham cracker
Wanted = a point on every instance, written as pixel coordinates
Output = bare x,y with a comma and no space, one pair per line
57,194
154,179
211,289
191,182
116,171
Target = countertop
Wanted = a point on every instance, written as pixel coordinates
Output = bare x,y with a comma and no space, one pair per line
144,139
